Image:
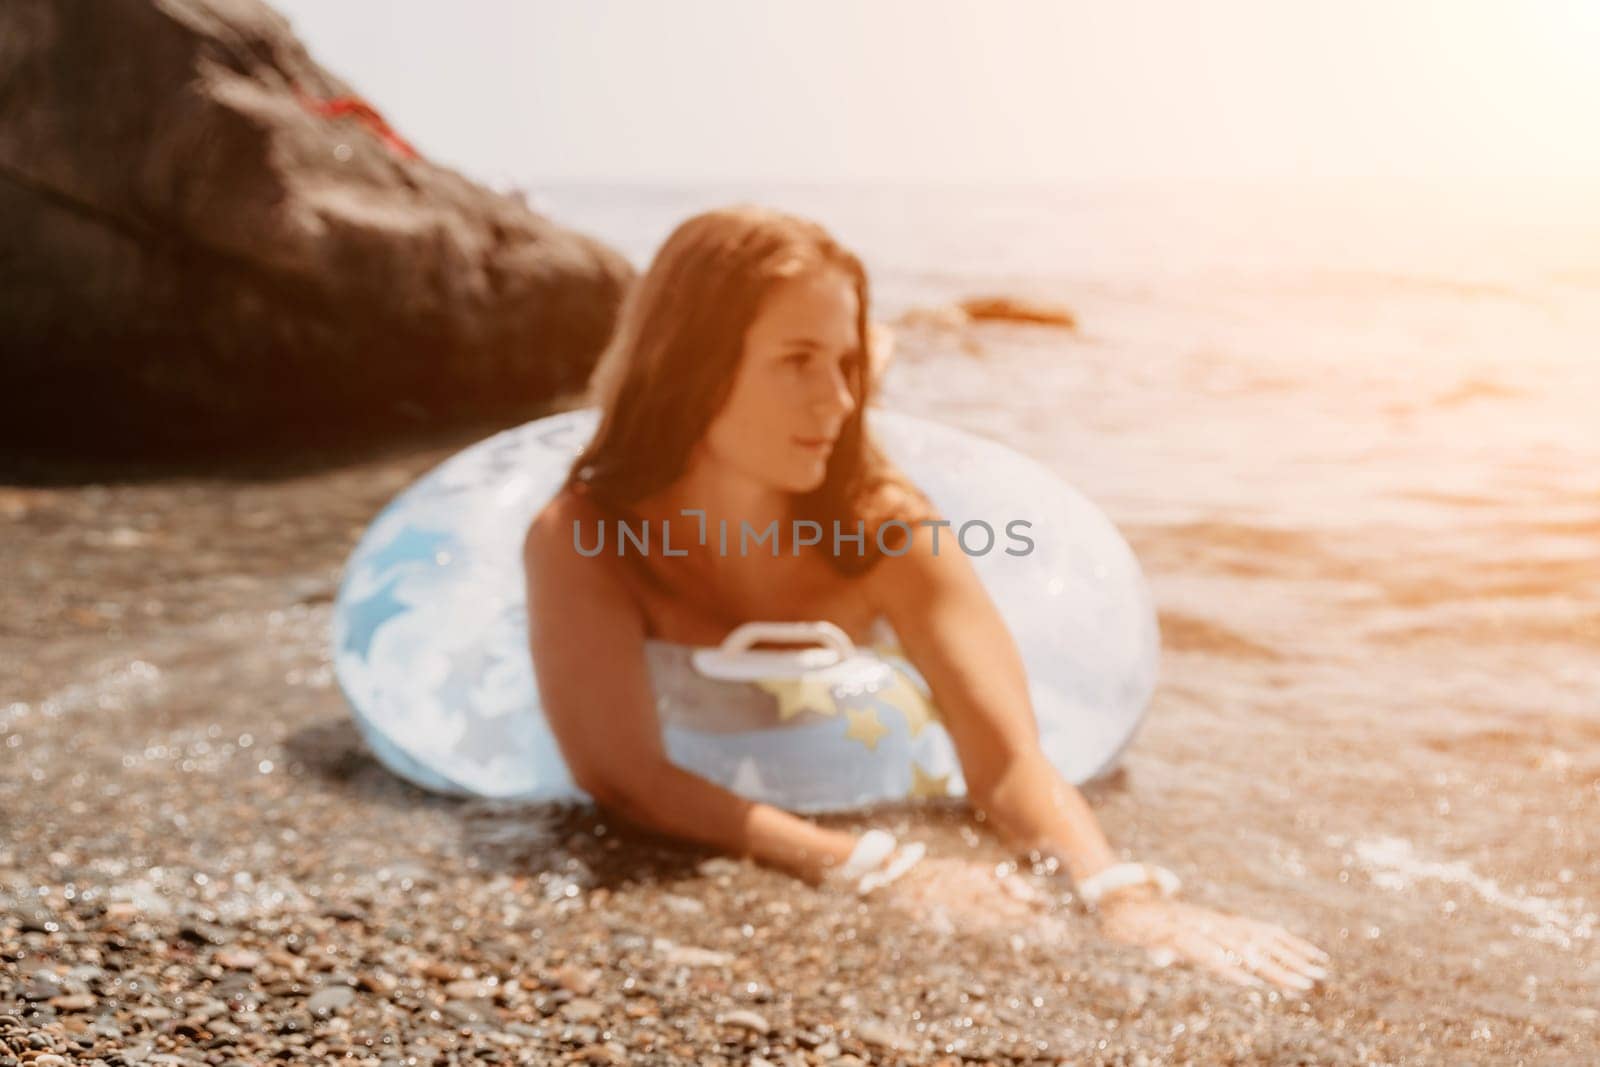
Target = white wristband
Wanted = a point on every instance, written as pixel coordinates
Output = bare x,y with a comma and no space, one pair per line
905,859
874,847
866,865
1122,875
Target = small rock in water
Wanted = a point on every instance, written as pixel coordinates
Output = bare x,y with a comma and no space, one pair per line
42,987
749,1020
331,1001
719,866
441,971
683,905
879,1034
690,956
73,1002
468,1011
1013,309
238,959
377,982
201,933
576,981
582,1009
468,989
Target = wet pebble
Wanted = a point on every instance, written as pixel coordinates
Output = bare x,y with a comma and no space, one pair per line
879,1034
747,1019
331,1001
73,1002
238,959
575,980
582,1009
340,914
691,956
43,988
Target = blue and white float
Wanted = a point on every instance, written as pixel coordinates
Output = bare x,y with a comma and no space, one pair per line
430,639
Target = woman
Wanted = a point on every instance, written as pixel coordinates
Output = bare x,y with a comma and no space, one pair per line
736,386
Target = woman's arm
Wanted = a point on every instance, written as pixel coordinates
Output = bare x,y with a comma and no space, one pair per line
951,630
587,640
956,637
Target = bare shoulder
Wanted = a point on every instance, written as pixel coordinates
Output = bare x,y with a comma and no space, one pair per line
920,568
550,551
551,534
555,519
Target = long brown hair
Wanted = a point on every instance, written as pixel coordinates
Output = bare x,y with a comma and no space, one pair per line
671,363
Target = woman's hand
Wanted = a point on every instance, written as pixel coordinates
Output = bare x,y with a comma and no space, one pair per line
1240,949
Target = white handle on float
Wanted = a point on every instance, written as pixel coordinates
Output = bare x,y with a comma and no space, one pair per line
735,661
821,632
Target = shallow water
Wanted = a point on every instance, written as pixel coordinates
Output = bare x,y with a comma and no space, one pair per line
1356,452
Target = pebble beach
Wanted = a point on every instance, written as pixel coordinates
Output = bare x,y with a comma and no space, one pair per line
1365,498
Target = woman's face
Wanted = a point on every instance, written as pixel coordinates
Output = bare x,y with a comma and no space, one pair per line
794,386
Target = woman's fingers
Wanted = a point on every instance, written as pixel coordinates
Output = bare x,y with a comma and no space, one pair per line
1258,957
1214,957
1233,972
1304,948
1241,949
1293,956
1291,951
1270,955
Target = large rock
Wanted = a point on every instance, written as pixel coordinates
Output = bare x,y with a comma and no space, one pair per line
195,254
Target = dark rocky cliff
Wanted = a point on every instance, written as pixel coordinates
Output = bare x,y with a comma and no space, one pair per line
209,243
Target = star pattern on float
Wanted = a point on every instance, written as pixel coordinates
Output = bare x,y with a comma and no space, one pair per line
865,727
366,615
910,701
486,735
796,695
412,544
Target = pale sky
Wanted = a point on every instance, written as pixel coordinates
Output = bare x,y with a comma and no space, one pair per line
955,90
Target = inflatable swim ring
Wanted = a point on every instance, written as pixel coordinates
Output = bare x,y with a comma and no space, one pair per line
430,640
